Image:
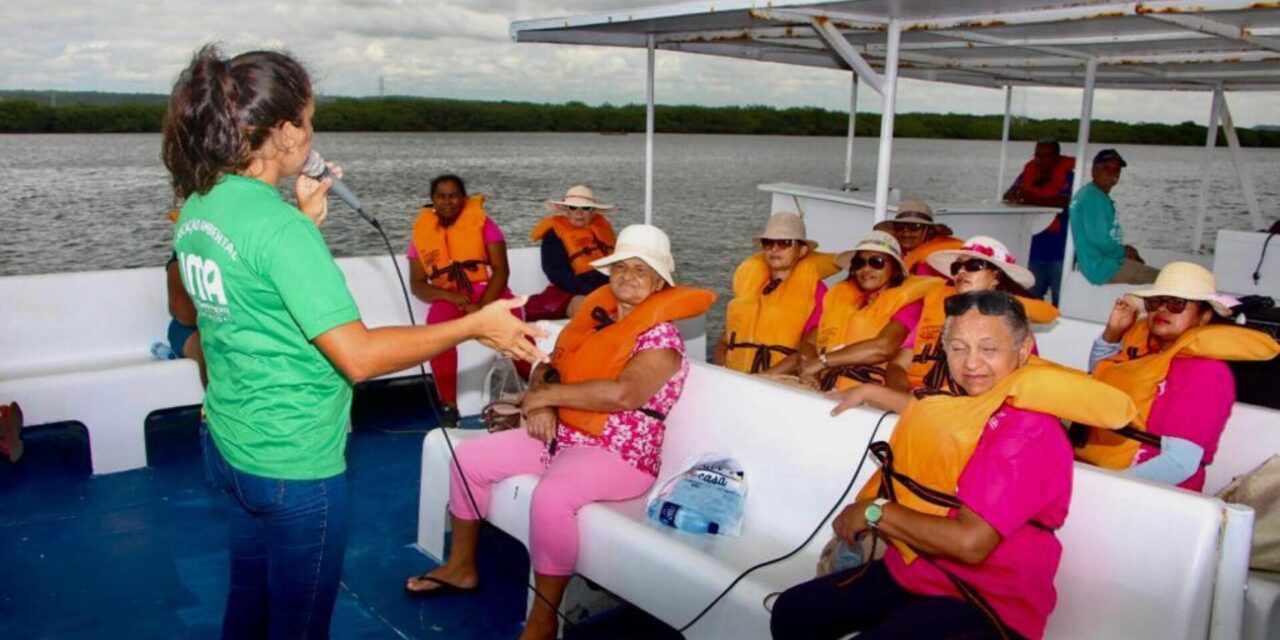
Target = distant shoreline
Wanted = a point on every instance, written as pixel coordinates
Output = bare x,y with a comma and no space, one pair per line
91,112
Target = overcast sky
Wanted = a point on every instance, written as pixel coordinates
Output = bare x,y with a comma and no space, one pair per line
460,49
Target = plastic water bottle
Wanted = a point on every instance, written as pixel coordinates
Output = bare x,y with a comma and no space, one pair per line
162,351
678,517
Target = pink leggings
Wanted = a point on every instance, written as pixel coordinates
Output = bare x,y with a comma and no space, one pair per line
444,367
576,477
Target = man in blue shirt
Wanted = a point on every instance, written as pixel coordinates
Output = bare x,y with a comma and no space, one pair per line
1101,253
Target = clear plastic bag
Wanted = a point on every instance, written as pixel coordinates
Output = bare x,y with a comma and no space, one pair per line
709,497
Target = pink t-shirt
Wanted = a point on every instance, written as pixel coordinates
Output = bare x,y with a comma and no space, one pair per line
1019,473
1193,403
909,317
814,318
635,436
490,234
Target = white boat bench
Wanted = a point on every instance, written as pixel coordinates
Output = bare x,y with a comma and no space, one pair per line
76,347
1140,560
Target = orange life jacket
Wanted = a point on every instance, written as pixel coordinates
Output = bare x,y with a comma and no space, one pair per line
928,368
921,253
845,321
453,257
1138,371
587,351
1050,185
761,329
937,435
583,244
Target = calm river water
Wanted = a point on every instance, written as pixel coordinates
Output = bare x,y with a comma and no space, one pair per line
82,202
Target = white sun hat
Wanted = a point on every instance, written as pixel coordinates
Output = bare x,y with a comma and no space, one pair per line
579,196
984,248
646,242
1189,281
878,241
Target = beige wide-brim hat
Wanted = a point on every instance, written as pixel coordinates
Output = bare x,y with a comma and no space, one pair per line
1189,281
878,241
646,242
579,196
785,225
984,248
910,211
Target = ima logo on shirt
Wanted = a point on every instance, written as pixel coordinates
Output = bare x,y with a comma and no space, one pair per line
203,279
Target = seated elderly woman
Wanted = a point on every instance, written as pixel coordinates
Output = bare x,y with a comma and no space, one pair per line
575,234
981,264
973,555
593,421
864,319
777,297
1171,363
920,236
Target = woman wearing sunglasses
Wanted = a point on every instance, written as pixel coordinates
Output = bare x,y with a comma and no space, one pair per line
458,264
919,236
972,553
777,297
981,264
575,233
864,319
1171,362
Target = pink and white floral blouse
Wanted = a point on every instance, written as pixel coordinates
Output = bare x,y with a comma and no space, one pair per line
635,436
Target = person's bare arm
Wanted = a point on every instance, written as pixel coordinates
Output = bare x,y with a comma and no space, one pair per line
643,377
180,305
967,538
501,272
895,372
721,351
425,291
361,353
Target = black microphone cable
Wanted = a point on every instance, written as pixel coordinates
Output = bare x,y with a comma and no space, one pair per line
435,409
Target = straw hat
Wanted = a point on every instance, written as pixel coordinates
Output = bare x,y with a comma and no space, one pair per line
916,211
988,249
646,242
1189,281
877,241
579,196
785,225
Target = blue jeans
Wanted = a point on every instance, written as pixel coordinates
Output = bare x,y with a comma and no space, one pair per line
287,540
1048,276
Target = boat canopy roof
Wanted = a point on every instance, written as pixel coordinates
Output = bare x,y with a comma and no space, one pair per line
1162,45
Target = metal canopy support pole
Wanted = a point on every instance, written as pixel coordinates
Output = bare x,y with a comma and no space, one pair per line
1242,170
1211,140
853,127
1004,141
648,135
890,94
1082,148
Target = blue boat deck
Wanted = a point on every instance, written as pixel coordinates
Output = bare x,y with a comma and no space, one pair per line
143,554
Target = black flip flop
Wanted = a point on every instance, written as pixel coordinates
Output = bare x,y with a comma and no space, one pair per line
442,588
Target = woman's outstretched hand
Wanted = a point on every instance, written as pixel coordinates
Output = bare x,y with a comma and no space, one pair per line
496,328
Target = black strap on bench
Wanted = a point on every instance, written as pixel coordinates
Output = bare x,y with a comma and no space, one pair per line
763,352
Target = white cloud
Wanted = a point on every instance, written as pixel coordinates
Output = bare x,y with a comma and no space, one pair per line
461,49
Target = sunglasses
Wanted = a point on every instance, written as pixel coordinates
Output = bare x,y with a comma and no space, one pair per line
972,265
875,262
1174,305
909,226
770,243
989,303
570,207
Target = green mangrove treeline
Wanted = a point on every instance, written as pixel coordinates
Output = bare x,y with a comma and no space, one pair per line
422,114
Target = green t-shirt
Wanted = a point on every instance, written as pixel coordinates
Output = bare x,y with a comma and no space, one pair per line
1099,241
265,285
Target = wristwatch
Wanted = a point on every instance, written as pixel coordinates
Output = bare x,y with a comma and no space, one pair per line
874,512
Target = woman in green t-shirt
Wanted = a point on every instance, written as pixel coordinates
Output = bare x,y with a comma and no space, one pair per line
282,336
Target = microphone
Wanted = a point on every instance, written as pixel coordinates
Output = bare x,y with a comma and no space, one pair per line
315,167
